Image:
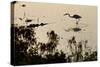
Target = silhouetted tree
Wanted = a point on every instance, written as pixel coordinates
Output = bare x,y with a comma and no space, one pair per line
53,41
24,37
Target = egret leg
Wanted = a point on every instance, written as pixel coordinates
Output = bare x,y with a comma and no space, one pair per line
76,24
77,20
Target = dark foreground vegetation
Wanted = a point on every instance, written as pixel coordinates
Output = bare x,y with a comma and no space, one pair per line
29,51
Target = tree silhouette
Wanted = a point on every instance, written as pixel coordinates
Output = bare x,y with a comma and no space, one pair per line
24,38
53,41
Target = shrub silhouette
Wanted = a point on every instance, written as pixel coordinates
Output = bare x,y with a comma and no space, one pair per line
29,51
53,41
77,54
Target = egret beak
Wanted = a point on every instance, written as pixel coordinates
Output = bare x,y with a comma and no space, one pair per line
65,14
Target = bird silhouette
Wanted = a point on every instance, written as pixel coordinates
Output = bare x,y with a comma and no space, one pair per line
23,5
75,16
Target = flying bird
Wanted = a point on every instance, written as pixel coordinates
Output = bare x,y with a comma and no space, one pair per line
23,5
75,16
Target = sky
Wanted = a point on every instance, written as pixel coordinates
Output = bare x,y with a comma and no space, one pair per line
53,14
